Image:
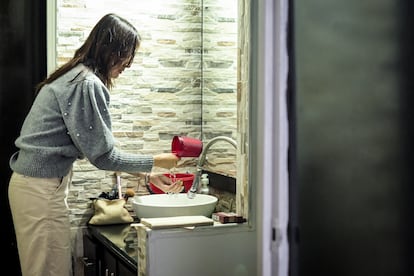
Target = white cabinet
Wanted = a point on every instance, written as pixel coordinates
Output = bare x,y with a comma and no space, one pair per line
223,250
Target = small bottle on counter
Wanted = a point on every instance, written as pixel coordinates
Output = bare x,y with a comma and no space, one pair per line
204,184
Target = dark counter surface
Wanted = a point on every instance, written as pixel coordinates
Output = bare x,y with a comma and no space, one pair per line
120,239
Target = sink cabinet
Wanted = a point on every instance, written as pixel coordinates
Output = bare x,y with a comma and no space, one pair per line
219,250
104,258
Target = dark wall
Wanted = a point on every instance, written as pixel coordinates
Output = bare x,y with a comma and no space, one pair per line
22,65
354,91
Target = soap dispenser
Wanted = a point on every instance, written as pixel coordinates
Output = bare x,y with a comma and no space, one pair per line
204,184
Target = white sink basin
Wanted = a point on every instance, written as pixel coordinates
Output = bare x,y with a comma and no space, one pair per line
169,205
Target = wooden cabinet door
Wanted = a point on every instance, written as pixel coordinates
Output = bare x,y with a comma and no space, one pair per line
108,263
90,260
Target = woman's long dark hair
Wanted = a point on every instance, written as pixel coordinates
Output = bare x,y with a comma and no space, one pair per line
112,41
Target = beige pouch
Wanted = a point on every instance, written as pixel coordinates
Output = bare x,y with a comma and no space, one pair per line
110,212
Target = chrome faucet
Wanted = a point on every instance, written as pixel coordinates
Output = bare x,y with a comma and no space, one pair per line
194,187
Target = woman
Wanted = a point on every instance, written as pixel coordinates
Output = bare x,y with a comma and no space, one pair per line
68,120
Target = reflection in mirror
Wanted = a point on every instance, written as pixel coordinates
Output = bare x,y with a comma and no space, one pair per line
185,80
219,94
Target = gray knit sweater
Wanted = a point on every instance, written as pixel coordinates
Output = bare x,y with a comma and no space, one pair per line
68,120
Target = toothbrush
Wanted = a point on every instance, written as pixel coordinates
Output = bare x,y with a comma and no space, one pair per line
118,184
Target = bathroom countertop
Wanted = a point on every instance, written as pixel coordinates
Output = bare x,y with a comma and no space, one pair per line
120,239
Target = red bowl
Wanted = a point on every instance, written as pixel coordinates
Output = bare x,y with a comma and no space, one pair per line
187,179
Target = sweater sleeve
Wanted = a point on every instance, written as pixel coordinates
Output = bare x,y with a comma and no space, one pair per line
88,122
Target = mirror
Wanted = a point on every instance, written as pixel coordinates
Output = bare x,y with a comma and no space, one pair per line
186,79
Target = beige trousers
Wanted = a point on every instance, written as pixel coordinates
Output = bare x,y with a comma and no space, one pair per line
41,222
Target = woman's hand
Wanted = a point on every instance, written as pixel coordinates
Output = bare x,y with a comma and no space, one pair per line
166,184
166,160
